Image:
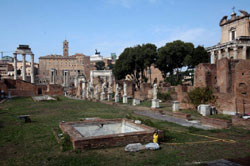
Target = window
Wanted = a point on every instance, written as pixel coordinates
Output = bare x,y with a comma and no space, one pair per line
233,35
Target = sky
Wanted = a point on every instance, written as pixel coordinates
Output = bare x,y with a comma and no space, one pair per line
109,25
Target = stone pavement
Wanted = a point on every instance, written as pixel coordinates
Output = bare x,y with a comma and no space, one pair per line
168,118
222,162
145,111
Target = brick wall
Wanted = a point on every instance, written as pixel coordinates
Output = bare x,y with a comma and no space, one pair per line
237,121
23,88
217,123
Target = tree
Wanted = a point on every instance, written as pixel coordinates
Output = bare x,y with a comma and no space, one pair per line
172,55
100,65
199,55
133,62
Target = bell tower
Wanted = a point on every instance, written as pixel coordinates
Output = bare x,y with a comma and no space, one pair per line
65,48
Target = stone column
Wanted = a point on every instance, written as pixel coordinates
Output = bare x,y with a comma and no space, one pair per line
110,92
155,101
15,66
219,54
244,52
235,52
32,74
212,58
227,52
125,97
65,78
117,93
24,67
103,97
91,76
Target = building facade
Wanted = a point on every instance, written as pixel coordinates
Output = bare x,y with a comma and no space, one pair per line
235,38
64,70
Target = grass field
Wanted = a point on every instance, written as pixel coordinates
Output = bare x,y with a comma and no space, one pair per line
34,143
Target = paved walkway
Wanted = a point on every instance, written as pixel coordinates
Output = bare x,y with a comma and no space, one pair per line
168,118
145,111
222,162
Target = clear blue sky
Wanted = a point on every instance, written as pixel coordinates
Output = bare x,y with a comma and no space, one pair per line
109,25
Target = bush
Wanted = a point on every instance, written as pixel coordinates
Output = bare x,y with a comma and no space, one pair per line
201,96
164,96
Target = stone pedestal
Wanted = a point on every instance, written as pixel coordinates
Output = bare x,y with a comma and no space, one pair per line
83,94
136,102
109,96
117,98
155,103
9,95
204,109
175,106
103,96
125,99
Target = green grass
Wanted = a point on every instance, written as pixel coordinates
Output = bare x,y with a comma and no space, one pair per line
221,116
34,143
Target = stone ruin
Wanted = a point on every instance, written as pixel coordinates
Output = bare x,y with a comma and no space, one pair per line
229,80
101,133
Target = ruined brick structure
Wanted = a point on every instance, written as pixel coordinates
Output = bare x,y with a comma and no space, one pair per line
230,80
64,70
24,88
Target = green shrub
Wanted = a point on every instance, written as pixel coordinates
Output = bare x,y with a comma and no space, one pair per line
164,96
201,96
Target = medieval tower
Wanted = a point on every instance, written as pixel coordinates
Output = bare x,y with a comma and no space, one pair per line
65,48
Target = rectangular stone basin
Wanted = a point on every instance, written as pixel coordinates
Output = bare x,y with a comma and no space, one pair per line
100,133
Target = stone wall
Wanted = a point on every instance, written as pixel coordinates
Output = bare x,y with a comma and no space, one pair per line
205,75
23,88
217,123
181,94
237,121
230,81
144,92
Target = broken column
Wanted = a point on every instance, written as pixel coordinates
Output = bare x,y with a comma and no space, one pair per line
91,91
96,93
110,92
103,92
175,106
87,91
83,90
155,101
117,93
125,97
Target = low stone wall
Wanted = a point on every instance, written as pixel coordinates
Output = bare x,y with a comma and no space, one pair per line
217,123
182,115
79,142
237,121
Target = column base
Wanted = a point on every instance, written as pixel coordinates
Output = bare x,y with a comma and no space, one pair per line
117,98
155,103
136,102
103,96
109,96
125,99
